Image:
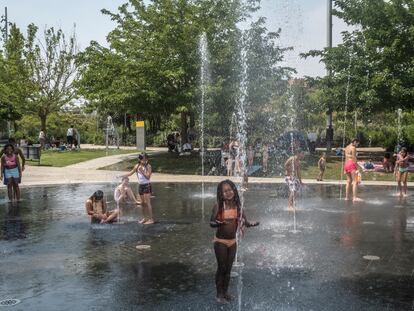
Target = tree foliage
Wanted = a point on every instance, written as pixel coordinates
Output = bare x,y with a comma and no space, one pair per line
378,54
14,76
52,69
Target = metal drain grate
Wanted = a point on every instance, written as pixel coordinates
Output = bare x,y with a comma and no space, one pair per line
9,302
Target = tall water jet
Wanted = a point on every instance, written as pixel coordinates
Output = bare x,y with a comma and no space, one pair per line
348,84
241,156
205,80
293,151
399,130
111,134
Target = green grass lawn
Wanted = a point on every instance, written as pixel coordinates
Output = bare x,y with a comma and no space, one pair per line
334,168
64,158
169,163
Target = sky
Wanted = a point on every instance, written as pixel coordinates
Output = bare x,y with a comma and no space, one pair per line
303,23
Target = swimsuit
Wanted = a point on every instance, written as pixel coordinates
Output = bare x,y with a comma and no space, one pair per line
293,183
350,166
144,183
403,167
229,214
10,169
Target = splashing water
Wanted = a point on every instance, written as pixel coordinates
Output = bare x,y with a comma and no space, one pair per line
241,156
111,135
204,75
345,120
399,128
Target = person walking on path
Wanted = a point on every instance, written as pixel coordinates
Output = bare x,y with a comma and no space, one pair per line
144,171
351,171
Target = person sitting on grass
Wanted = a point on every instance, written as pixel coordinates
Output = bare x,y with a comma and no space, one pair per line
97,210
369,165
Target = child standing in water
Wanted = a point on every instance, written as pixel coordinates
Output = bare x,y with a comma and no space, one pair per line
144,171
293,177
321,166
229,165
250,156
265,154
12,172
401,170
228,218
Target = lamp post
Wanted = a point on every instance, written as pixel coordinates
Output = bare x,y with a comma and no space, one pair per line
6,30
329,128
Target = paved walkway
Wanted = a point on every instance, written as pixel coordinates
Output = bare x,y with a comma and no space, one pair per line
88,172
40,175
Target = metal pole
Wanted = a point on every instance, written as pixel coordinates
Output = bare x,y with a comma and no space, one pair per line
329,128
6,26
6,29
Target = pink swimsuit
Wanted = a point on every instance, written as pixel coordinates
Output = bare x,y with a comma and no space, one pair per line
350,166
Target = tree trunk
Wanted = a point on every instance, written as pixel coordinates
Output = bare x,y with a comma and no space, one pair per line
192,120
43,122
184,127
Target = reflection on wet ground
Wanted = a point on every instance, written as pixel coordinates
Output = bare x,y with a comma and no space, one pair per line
53,259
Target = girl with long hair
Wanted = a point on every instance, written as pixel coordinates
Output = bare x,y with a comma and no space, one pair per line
228,218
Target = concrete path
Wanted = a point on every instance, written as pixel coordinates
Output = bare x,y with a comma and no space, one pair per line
88,172
40,175
97,163
103,161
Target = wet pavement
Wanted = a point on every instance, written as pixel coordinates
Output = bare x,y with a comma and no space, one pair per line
52,258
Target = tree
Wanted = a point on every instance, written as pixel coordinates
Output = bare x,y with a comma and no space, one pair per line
378,55
266,79
53,71
14,76
151,65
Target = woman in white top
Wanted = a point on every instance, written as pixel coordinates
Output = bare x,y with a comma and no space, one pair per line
144,171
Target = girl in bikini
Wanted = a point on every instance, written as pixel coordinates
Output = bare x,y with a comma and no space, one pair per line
351,169
401,170
228,218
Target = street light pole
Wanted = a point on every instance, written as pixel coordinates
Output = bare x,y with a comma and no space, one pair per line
329,127
6,30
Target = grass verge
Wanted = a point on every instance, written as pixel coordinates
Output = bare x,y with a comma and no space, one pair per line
68,157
